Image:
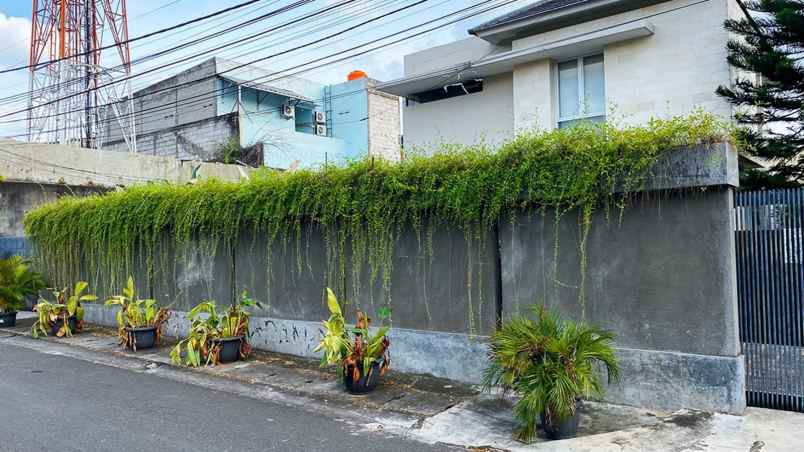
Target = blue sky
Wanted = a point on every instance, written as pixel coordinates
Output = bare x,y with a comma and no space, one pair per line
144,17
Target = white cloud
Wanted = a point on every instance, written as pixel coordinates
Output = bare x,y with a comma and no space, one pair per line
15,34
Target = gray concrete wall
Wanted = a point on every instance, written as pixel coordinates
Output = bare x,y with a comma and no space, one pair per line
18,198
662,278
165,104
200,140
55,164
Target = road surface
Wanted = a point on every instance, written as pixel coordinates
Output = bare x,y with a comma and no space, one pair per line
57,403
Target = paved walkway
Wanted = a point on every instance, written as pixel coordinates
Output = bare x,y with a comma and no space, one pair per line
438,412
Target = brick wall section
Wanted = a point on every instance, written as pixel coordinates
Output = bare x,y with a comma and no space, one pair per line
383,125
198,140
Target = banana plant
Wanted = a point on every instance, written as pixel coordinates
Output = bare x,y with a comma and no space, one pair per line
355,354
200,345
68,304
136,313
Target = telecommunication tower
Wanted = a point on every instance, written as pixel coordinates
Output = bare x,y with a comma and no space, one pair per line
80,64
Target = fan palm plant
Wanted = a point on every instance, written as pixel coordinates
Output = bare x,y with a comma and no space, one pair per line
17,282
551,364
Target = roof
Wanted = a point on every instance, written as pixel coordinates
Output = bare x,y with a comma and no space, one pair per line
266,88
527,12
549,15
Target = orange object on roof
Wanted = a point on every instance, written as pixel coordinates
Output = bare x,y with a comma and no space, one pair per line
354,75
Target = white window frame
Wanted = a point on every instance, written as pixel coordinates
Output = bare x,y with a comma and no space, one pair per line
581,90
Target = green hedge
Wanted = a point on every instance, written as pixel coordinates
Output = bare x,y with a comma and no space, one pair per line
366,203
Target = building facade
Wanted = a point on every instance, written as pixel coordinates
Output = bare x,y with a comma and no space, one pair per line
556,62
297,123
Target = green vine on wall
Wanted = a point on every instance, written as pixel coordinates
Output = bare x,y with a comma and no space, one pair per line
364,205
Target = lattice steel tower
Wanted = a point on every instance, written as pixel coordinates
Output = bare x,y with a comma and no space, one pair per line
80,62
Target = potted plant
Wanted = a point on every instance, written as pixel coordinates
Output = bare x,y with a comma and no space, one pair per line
139,322
215,338
361,358
551,364
65,316
17,282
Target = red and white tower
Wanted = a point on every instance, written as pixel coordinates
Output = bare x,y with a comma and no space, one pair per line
79,51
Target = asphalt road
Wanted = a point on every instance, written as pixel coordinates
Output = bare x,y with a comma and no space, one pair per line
56,403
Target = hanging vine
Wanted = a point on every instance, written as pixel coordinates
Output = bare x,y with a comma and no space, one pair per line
363,206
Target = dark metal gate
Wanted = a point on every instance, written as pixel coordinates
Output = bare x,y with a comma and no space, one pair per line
770,286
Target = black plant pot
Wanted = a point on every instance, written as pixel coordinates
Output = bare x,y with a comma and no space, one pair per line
567,428
72,322
8,319
229,350
144,337
366,383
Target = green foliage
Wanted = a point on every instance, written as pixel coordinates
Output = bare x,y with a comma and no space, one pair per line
768,52
357,354
231,152
207,325
360,207
136,313
67,304
17,282
550,363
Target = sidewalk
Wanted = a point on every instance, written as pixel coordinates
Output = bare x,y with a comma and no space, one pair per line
436,411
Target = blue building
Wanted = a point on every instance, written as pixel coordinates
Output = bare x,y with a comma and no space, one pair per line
292,122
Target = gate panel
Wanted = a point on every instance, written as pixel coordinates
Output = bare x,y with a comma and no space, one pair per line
770,285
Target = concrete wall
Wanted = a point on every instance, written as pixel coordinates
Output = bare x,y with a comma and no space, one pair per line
670,72
663,279
17,198
55,164
165,104
190,141
486,116
34,174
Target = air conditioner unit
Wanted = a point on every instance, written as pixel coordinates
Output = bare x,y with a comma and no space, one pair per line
320,117
288,111
321,130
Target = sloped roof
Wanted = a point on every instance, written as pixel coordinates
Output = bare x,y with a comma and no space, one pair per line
528,12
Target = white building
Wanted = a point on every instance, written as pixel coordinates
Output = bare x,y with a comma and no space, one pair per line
558,61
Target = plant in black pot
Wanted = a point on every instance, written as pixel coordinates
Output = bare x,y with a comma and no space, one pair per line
361,358
551,364
17,283
139,322
65,316
216,338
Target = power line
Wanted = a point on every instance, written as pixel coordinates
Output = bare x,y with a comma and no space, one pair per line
137,38
270,30
158,8
275,77
164,52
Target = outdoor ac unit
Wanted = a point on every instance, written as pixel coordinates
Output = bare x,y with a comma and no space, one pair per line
288,111
321,130
320,117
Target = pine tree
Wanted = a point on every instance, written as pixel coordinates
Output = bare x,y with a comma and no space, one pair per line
770,43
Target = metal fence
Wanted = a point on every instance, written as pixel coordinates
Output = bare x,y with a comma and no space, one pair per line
770,285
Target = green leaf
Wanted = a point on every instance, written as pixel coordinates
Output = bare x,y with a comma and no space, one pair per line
332,302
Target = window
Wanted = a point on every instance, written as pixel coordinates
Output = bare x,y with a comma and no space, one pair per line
453,90
581,90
